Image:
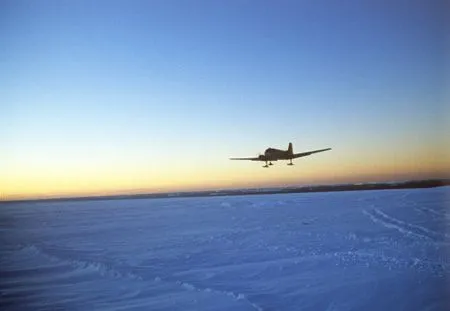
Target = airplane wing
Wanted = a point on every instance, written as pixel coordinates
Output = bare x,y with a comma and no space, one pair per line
250,159
304,154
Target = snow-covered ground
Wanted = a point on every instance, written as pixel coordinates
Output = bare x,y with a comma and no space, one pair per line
361,250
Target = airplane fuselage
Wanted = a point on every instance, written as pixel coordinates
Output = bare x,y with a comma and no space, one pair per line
272,154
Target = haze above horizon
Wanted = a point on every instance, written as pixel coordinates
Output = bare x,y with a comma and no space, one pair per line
112,97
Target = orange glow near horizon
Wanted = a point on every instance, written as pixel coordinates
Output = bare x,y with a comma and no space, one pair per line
152,179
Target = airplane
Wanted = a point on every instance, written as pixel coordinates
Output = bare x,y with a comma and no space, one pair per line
272,154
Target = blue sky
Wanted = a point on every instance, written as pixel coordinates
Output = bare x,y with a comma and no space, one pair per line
143,85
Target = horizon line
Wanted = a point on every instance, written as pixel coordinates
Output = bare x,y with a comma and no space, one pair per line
167,194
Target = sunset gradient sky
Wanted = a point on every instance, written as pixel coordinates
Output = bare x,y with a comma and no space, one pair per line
100,97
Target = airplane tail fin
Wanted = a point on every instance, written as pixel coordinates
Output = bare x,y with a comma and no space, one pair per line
290,149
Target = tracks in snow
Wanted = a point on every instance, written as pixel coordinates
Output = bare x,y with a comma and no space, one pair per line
409,229
432,211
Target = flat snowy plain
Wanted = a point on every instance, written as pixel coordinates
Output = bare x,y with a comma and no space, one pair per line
361,250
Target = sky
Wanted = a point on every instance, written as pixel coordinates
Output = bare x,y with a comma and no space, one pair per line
102,97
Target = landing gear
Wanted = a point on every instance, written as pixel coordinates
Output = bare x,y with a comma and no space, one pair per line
267,164
290,163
